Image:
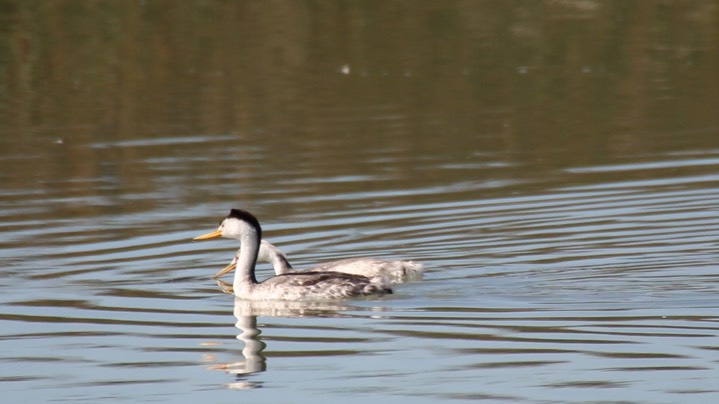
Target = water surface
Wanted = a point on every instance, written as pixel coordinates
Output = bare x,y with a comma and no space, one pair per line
554,165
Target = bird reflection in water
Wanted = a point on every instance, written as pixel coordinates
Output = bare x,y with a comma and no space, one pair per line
246,313
254,361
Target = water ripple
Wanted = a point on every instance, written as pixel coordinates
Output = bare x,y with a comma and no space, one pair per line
607,286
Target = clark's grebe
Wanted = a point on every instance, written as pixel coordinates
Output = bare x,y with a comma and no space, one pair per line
243,226
394,271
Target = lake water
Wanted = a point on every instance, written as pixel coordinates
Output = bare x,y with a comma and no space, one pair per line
554,165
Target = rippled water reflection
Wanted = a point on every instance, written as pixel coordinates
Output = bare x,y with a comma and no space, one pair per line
558,182
605,290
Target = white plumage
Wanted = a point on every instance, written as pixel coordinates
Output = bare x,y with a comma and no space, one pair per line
394,271
322,285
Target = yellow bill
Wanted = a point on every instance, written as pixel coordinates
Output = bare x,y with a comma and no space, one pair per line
226,270
211,235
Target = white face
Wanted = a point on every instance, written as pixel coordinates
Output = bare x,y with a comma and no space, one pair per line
235,228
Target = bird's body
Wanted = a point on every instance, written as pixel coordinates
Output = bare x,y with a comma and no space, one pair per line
323,285
393,271
310,286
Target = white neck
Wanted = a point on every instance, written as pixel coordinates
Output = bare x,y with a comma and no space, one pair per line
273,255
247,258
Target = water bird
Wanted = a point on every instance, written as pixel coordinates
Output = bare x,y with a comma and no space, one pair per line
393,271
324,285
